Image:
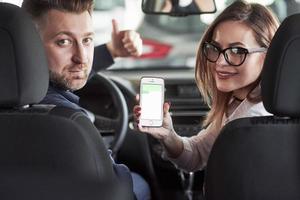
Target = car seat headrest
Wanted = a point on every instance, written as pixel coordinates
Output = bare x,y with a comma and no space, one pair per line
24,75
280,75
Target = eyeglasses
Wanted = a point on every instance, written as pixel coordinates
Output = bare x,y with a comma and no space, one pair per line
234,56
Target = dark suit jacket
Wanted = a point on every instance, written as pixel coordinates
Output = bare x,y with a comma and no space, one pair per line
59,97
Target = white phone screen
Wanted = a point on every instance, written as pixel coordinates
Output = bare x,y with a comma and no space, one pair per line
151,101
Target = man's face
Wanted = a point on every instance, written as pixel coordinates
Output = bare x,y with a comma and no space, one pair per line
68,41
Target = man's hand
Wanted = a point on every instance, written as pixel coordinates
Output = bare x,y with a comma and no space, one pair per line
124,43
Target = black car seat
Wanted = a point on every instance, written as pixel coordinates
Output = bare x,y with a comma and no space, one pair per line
259,157
46,152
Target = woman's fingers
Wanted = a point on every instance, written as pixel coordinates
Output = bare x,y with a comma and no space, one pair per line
166,107
136,111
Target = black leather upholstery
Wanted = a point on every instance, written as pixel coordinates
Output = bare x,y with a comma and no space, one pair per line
259,157
23,70
281,83
46,152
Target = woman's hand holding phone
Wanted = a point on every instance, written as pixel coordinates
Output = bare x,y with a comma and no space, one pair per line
160,133
152,116
166,134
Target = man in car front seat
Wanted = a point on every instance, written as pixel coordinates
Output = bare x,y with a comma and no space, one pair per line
66,30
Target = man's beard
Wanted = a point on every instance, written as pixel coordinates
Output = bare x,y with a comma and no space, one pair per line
62,82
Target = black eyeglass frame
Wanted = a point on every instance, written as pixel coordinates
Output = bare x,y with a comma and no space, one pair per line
220,51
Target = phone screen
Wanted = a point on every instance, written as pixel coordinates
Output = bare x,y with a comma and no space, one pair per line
151,97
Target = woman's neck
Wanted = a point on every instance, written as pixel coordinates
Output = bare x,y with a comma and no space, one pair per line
242,93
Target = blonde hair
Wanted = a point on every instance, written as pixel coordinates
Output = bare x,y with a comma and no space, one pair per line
264,25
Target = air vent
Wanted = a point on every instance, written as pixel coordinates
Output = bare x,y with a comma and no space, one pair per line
185,99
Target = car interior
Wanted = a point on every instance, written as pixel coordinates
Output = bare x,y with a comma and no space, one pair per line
73,163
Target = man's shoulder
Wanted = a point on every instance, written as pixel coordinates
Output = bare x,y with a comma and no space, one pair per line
57,98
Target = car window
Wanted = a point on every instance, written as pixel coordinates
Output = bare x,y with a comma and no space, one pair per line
169,42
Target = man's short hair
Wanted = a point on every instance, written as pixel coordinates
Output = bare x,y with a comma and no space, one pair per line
37,8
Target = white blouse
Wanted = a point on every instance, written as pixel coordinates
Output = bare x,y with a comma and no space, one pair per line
196,149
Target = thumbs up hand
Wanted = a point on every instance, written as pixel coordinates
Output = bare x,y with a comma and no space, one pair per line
124,43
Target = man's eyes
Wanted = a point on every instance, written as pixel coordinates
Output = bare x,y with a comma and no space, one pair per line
67,42
87,40
63,42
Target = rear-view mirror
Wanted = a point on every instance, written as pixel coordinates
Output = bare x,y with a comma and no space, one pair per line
178,7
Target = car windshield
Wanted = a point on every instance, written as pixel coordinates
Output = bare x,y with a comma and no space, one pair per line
169,42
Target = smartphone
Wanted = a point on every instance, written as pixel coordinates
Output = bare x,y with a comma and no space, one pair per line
151,101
